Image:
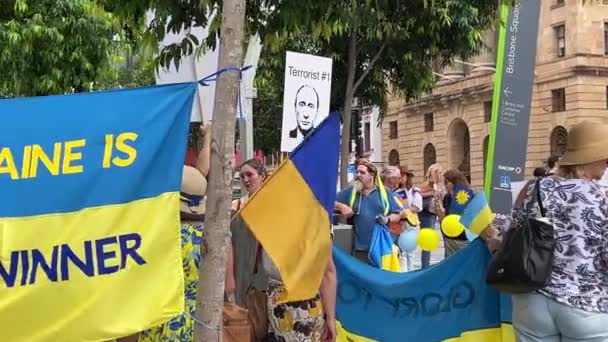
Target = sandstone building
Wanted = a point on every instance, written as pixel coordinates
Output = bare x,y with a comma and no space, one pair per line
451,125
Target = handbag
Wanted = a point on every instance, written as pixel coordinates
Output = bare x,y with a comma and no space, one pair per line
257,304
525,261
236,326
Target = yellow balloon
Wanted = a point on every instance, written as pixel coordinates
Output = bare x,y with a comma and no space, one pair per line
428,239
451,226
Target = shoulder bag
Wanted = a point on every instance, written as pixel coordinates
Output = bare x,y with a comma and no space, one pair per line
525,261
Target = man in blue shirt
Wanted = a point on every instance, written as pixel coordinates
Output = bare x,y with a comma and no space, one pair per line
367,204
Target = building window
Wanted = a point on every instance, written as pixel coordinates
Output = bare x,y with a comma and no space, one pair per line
486,145
429,124
367,131
559,141
606,38
560,39
392,134
429,156
393,158
559,2
487,111
558,100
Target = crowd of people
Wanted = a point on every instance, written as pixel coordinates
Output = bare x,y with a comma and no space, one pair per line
573,306
408,207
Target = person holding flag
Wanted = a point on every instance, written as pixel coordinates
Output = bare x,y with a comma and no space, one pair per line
475,213
367,202
458,195
412,202
391,176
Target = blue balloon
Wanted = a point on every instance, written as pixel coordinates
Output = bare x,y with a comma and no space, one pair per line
407,241
470,235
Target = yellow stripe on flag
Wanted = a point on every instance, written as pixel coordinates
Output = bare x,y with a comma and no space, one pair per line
346,336
504,333
132,260
293,228
482,220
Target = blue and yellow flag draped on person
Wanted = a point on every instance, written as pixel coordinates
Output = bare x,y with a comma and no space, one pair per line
290,215
89,213
449,301
383,252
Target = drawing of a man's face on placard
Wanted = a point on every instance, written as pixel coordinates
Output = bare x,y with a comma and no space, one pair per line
306,97
306,108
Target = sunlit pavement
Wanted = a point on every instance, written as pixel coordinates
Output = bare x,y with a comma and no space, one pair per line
436,256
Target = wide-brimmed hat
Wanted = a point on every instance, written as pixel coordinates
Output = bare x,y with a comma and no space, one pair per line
406,171
193,189
587,143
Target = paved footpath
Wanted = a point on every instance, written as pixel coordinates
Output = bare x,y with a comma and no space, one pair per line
436,256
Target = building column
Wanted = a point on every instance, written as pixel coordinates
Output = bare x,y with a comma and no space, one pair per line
487,54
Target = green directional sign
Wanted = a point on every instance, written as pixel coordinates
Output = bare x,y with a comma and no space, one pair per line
516,57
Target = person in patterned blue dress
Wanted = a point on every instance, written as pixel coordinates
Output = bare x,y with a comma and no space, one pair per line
573,306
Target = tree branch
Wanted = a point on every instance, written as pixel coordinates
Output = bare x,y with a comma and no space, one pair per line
369,67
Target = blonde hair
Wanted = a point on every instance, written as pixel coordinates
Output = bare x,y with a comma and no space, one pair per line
434,167
570,171
574,172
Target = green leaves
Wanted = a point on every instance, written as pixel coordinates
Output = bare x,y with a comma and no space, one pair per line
54,46
416,33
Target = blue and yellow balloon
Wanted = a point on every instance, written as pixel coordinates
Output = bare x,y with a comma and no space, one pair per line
428,239
451,226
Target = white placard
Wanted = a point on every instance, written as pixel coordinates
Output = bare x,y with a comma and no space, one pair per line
516,188
306,96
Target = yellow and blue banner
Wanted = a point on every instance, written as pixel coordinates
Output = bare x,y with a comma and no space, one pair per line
449,301
477,215
89,213
290,215
383,253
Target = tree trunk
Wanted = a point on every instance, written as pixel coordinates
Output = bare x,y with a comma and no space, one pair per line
210,296
347,109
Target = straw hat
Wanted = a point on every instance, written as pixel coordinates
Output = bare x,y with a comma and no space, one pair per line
406,171
587,143
194,187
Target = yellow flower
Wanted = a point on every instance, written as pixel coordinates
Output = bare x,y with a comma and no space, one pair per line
286,323
316,311
462,197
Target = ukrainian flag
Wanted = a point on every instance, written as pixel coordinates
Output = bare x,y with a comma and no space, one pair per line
89,213
382,251
290,215
477,215
448,302
462,196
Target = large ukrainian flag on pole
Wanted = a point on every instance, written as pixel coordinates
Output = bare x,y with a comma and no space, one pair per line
89,216
290,215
